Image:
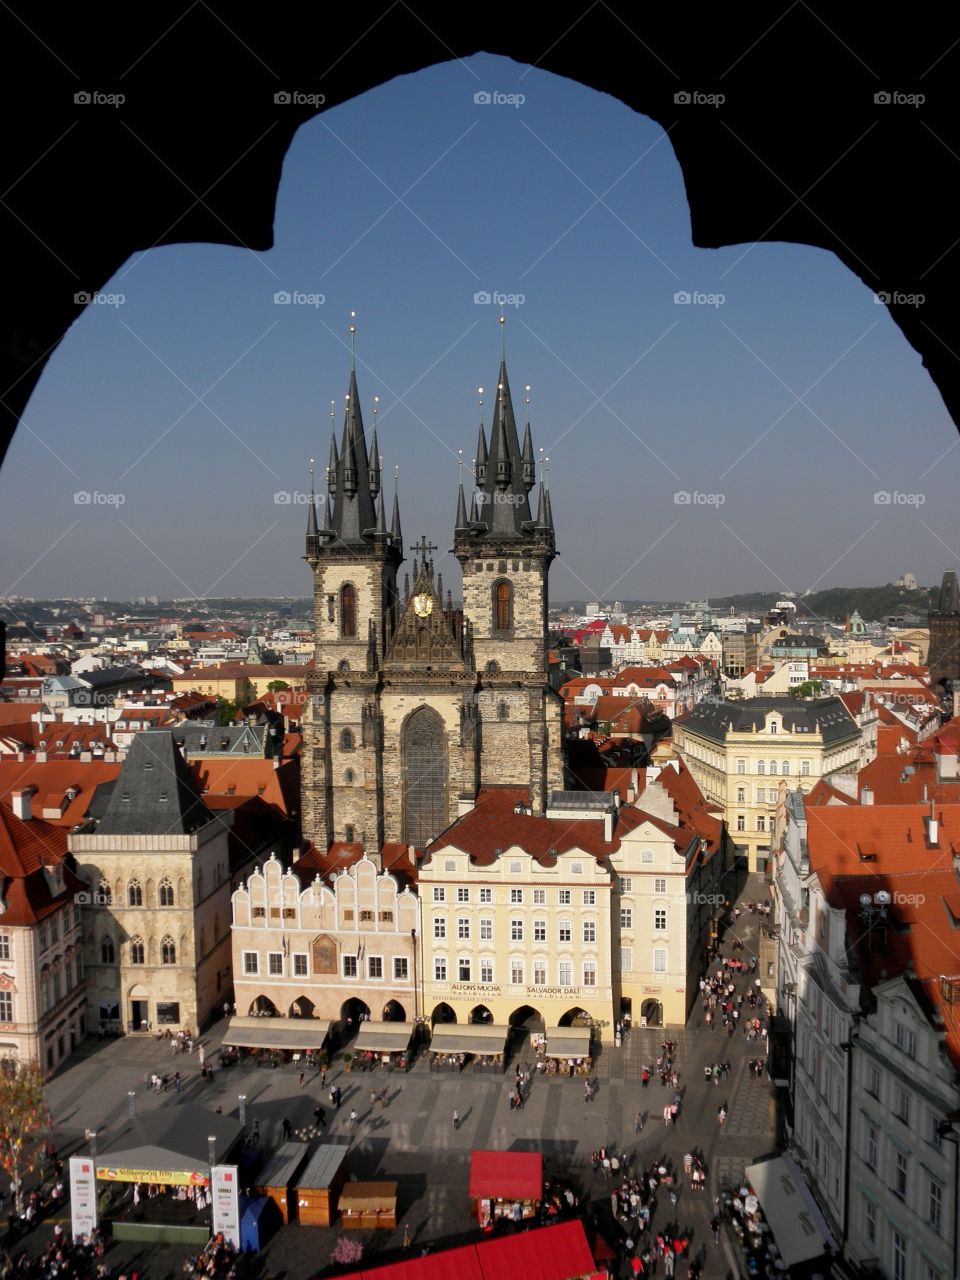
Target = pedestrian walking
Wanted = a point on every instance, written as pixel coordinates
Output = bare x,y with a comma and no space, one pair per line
177,1082
287,1129
638,1122
383,1099
320,1116
323,1078
667,1115
200,1055
354,1116
406,1236
373,1097
722,1115
303,1076
456,1118
715,1228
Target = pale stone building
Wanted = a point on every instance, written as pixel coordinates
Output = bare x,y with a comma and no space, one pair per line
42,986
156,865
414,703
338,946
741,753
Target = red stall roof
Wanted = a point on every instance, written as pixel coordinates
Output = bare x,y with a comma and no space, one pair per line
547,1253
552,1253
507,1175
451,1264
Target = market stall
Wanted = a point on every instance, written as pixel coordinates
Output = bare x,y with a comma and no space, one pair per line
364,1205
476,1046
567,1052
153,1180
273,1041
505,1184
383,1044
278,1178
779,1221
319,1187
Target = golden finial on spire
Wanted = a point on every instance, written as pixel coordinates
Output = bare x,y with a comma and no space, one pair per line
376,410
460,464
353,342
480,403
541,464
503,321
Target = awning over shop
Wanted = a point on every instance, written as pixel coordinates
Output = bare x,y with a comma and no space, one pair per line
368,1197
384,1037
792,1214
568,1042
506,1175
474,1037
298,1034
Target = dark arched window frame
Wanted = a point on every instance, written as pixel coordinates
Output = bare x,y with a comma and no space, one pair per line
348,610
502,605
347,741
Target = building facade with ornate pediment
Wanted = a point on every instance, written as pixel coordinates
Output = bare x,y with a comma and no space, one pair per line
333,946
415,705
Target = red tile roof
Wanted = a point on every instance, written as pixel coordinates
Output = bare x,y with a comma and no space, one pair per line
55,777
25,849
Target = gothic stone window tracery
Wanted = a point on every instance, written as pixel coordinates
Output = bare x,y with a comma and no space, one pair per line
424,777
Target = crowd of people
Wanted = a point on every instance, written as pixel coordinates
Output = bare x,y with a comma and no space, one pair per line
63,1259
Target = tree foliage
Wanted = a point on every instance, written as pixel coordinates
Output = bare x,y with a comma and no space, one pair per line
277,686
24,1123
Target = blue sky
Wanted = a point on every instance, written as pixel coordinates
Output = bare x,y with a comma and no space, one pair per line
403,205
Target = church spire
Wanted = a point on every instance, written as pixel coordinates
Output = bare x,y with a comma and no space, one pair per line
480,462
374,453
529,463
395,533
356,477
312,531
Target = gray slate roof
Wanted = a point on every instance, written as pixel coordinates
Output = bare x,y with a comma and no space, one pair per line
198,737
174,1137
155,793
828,716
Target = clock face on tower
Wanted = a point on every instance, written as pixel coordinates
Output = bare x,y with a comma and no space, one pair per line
423,605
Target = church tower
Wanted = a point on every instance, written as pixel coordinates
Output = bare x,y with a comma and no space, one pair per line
354,557
943,658
505,552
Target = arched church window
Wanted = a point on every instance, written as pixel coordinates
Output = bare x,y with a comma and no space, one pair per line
346,740
503,711
136,951
343,668
348,609
134,894
348,775
423,754
493,668
502,606
106,951
168,951
166,893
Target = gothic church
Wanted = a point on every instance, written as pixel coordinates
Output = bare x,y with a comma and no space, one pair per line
415,704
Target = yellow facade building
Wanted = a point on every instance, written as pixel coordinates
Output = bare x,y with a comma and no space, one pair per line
741,754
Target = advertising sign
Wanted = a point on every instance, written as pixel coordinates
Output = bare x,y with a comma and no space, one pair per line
83,1195
226,1203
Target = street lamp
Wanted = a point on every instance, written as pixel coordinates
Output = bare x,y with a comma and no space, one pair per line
242,1099
131,1103
212,1149
91,1137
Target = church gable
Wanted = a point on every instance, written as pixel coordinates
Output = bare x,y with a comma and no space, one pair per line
424,635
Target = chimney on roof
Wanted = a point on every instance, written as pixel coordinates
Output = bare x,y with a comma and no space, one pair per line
608,825
21,802
933,827
866,795
946,758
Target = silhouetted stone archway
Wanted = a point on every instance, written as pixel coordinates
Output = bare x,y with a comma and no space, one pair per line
528,1018
393,1011
480,1013
752,166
